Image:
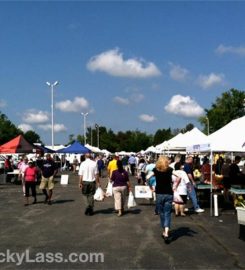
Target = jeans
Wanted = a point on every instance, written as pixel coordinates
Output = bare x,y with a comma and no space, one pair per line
164,208
193,196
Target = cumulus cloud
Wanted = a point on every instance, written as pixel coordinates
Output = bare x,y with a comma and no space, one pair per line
178,73
208,81
35,117
78,104
57,127
122,101
222,49
147,118
184,106
2,103
112,63
137,97
25,127
133,98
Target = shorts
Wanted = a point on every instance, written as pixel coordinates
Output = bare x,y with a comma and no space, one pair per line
47,183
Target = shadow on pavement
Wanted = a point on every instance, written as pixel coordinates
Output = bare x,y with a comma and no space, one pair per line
112,211
105,211
133,211
61,201
180,232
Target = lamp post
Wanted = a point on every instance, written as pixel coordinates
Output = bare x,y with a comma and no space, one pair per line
84,126
98,135
91,135
207,125
51,85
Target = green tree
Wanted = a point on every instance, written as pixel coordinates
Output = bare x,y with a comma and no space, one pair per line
8,130
188,127
71,139
32,137
162,135
226,108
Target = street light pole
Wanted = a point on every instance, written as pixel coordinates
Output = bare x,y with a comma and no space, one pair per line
84,126
98,135
207,125
91,134
51,85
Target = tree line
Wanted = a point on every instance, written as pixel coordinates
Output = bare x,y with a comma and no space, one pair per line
228,106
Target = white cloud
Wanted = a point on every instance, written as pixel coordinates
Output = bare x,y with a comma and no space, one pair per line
222,49
35,117
25,127
133,98
78,104
2,103
184,106
112,63
122,101
147,118
178,73
207,81
137,97
57,127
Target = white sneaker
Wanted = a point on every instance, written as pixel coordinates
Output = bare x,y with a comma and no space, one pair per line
199,210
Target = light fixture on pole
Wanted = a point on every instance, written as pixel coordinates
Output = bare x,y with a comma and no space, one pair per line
98,135
84,126
51,85
207,125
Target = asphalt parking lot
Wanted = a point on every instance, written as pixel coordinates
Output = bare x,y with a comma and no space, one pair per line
60,236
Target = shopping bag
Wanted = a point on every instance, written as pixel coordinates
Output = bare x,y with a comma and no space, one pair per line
99,194
131,200
177,197
109,191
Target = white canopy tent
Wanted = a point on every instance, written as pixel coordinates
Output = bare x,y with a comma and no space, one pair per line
181,141
150,149
93,148
230,138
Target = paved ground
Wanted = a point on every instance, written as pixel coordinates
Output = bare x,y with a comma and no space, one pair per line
130,242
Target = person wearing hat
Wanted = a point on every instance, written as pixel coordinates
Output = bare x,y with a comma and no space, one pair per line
30,177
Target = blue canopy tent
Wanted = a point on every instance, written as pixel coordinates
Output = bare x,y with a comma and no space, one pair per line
44,149
75,148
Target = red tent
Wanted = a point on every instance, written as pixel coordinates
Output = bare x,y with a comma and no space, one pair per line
17,145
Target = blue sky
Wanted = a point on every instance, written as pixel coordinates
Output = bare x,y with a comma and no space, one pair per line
130,65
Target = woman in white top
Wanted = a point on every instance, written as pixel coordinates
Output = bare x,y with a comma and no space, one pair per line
180,189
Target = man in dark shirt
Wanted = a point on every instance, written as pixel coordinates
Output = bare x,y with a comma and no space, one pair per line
236,177
48,170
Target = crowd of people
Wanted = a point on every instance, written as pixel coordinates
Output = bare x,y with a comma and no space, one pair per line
172,180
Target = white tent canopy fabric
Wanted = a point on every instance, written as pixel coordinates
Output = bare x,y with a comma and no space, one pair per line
230,138
181,141
150,149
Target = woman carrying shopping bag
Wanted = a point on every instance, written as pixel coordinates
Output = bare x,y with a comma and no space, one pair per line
120,185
